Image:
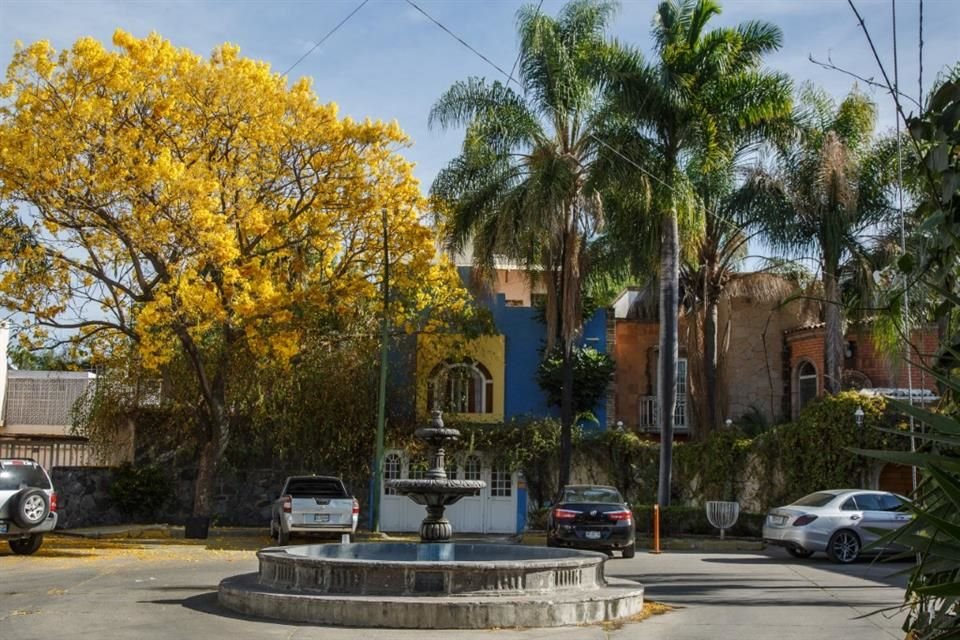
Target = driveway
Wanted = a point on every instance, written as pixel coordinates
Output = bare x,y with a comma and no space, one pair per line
167,589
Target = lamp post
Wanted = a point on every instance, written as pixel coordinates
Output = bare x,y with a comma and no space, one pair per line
858,418
382,395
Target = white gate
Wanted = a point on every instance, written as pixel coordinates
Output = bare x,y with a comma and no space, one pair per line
492,510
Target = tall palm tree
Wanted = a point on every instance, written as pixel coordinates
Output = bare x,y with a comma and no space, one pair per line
828,193
524,185
680,104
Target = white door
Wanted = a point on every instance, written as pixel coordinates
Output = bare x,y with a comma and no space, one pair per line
392,505
466,515
414,513
501,498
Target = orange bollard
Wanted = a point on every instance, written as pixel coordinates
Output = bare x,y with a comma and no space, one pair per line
656,529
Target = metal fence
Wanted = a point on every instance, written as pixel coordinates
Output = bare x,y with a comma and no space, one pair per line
50,453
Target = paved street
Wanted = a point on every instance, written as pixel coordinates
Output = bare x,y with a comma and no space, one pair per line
143,590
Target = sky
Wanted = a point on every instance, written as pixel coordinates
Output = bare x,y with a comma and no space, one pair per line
390,62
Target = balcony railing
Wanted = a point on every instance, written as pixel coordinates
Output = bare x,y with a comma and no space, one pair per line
650,416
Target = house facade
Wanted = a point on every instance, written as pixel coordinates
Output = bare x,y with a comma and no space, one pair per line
490,379
772,358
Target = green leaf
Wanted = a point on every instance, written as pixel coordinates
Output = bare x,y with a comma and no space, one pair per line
936,421
911,459
940,590
947,483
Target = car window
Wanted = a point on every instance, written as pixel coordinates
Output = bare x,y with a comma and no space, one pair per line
14,477
601,495
890,502
316,488
849,505
815,500
869,502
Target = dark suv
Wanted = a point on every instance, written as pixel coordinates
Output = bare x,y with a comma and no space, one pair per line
28,505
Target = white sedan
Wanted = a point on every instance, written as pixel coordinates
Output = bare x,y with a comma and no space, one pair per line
840,522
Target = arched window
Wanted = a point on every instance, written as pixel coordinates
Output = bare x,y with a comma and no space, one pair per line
461,387
391,471
806,384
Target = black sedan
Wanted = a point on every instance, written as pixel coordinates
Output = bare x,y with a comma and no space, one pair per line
592,517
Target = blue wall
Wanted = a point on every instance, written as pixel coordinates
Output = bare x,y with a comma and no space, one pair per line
524,337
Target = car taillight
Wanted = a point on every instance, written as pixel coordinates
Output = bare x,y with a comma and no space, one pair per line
804,520
53,502
564,514
620,515
356,507
287,504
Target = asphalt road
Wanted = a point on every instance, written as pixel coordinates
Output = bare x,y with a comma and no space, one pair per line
167,589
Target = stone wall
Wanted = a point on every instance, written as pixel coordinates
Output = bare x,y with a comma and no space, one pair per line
83,497
242,498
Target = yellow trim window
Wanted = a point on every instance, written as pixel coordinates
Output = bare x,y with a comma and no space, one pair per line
460,387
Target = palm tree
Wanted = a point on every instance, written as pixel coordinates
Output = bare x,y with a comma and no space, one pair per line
700,83
524,185
827,193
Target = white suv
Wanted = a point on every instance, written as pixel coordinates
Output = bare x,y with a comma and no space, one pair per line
28,505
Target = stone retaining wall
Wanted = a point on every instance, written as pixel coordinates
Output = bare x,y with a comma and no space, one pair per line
242,497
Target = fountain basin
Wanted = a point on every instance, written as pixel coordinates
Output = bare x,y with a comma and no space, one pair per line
410,569
443,585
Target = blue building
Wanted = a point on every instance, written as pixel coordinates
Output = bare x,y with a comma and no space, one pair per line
490,379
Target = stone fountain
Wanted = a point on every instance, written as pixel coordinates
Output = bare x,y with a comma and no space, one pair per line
436,492
434,584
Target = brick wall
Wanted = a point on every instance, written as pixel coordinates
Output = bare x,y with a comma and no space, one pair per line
880,369
633,347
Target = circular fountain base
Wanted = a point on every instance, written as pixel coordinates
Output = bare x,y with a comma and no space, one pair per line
432,586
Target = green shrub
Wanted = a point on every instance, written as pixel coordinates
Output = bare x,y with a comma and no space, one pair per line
139,491
677,520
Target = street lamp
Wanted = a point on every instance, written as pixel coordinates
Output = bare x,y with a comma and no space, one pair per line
858,417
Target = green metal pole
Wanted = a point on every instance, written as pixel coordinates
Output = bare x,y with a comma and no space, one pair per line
382,400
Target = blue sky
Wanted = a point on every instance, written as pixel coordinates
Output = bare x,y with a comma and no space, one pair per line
390,62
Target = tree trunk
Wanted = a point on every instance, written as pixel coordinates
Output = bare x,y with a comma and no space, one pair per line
570,328
206,479
213,393
710,363
833,333
667,366
566,418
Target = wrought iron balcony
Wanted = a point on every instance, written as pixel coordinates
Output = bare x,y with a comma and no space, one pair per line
650,416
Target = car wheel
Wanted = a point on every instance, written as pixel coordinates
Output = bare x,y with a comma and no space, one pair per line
283,538
30,508
629,552
844,546
26,546
797,552
551,542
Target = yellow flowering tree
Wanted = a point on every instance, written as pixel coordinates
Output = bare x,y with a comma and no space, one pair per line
196,208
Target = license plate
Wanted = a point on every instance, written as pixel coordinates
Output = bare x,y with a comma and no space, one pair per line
321,517
3,527
593,535
778,519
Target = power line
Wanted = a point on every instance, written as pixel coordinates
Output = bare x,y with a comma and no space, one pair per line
519,53
461,41
324,38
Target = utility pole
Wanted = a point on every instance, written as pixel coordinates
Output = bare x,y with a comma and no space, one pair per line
382,398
